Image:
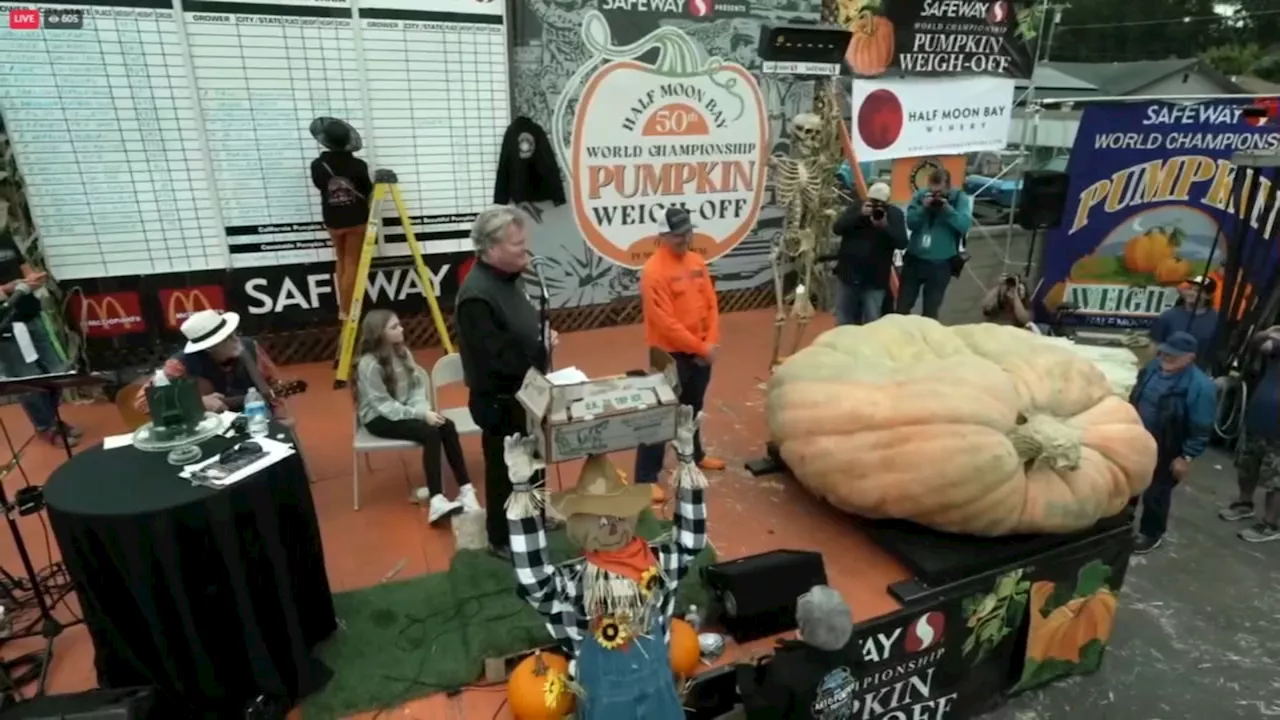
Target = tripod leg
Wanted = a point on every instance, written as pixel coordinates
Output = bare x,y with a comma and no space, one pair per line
424,275
347,340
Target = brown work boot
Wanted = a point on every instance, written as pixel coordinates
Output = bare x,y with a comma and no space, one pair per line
711,463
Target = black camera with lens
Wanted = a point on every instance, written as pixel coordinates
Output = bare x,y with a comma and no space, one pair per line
877,212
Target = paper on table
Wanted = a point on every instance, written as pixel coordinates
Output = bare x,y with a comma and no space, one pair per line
111,442
276,451
568,376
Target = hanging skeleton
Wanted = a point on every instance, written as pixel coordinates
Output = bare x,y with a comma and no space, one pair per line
805,188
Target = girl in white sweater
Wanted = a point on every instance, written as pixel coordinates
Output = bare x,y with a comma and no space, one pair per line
391,400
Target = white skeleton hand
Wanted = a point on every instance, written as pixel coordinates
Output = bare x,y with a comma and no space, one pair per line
519,453
686,427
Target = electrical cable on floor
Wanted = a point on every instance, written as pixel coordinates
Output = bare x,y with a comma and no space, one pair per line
447,622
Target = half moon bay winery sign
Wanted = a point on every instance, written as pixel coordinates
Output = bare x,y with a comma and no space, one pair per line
686,131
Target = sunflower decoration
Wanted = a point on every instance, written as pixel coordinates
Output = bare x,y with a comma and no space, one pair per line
611,634
650,581
553,689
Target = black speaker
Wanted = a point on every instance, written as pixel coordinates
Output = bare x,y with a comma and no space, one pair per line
122,704
1042,199
758,593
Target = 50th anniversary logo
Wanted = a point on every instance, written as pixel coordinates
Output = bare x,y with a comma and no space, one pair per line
644,141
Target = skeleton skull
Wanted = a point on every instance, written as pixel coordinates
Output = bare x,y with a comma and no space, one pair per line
805,129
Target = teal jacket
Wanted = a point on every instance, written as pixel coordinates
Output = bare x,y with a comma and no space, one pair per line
944,227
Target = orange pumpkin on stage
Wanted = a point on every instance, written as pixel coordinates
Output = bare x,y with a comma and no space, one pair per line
684,651
1068,628
871,49
538,688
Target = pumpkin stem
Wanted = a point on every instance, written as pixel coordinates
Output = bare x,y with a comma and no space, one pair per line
1046,439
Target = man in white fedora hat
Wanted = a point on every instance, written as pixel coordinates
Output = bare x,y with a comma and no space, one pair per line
226,366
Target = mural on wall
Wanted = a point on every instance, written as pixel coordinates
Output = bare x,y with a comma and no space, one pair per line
615,54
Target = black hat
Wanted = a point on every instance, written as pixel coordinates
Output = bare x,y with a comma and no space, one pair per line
336,135
675,221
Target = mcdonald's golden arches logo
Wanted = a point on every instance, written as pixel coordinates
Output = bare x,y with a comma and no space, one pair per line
109,314
179,303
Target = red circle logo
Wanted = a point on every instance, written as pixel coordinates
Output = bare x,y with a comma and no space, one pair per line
925,632
998,12
700,8
880,119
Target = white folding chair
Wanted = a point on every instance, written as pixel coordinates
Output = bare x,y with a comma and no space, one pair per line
366,442
447,371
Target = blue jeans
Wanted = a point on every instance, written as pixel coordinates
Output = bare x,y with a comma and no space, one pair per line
694,379
40,407
857,304
930,276
633,682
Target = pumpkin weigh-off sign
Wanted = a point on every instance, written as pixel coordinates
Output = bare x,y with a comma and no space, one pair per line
644,140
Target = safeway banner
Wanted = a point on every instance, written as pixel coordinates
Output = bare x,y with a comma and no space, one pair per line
911,117
941,37
1150,204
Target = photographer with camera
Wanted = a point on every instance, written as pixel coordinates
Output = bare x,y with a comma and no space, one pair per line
1006,303
938,218
870,232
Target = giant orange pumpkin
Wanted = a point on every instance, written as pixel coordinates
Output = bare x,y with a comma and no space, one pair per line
1144,253
979,429
538,689
1067,629
683,650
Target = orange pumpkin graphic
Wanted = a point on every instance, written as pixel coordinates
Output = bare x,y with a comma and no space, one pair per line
1065,631
1173,271
1144,253
870,51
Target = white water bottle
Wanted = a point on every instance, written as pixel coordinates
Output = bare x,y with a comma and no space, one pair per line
694,618
255,409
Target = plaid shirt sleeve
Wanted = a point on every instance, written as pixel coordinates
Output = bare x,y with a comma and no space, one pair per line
691,533
541,584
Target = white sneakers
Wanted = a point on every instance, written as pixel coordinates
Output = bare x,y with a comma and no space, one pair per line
467,498
440,507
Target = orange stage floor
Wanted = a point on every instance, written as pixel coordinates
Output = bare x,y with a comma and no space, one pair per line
747,515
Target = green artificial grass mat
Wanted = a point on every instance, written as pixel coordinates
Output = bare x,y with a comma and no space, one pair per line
403,640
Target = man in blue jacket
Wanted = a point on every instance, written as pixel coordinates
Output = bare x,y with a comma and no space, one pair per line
1259,463
1177,402
937,219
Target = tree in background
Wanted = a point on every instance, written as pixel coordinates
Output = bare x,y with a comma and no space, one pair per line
1110,31
1258,22
1248,59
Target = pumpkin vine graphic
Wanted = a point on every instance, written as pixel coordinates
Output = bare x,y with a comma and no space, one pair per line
1070,626
994,615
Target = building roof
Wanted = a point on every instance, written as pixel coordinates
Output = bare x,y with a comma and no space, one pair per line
1120,79
1052,84
1256,85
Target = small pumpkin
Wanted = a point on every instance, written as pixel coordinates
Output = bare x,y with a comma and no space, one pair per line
1067,629
683,650
1173,271
870,50
979,429
538,688
1144,253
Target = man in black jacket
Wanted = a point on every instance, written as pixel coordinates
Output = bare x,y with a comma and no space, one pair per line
870,231
813,676
500,336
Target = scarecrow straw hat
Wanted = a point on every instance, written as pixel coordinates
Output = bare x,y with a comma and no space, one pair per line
601,491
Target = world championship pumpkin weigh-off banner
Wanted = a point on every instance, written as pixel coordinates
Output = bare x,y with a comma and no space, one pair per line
1151,190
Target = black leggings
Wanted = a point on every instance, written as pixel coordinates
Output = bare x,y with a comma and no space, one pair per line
431,439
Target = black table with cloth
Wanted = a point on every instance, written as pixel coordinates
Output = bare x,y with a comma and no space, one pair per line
211,596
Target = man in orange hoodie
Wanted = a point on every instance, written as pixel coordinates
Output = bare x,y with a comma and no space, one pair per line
682,317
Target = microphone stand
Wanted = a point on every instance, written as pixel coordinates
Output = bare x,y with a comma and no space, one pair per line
544,311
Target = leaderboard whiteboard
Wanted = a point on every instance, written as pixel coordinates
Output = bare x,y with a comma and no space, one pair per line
172,135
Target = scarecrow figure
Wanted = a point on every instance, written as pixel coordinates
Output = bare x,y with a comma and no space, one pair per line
612,608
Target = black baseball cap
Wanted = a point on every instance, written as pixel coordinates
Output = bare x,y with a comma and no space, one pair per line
675,221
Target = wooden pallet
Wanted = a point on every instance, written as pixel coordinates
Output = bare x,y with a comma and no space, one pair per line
498,669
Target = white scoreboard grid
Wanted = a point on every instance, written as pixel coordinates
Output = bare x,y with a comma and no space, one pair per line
172,136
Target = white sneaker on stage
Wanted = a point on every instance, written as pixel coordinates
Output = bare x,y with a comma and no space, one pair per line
441,507
467,498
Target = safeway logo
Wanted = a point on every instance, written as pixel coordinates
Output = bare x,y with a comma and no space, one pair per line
701,8
925,632
24,19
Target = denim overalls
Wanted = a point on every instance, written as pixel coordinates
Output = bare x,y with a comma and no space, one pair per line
633,682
